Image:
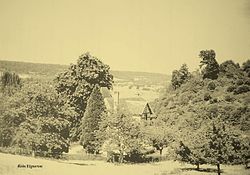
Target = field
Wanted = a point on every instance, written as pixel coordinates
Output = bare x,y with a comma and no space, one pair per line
9,166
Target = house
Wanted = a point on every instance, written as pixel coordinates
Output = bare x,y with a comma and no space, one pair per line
137,107
140,110
147,113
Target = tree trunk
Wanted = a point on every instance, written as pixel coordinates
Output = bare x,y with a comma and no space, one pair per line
198,166
121,158
33,153
218,168
161,151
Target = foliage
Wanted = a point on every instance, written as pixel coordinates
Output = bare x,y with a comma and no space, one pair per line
10,82
207,96
230,69
215,143
223,144
45,136
123,136
158,135
76,84
95,112
179,77
211,69
242,89
220,95
246,67
38,120
191,139
211,86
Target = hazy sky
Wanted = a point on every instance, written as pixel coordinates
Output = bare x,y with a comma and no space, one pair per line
140,35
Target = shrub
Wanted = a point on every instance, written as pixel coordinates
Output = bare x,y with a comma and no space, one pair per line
211,86
207,96
247,82
242,89
214,100
239,82
231,88
229,98
16,150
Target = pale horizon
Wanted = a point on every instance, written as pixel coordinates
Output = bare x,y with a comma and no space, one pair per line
146,36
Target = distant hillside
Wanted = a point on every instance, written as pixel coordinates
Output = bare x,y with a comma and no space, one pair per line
32,68
50,70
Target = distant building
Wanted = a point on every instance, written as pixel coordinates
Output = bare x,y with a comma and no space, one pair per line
140,110
147,113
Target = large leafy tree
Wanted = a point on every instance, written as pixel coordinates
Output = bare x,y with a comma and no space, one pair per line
211,69
11,114
95,112
76,84
222,143
158,134
191,148
38,120
215,143
123,136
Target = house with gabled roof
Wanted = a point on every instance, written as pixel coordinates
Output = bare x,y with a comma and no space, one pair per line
137,107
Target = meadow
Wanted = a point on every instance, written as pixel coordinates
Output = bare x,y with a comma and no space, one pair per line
9,166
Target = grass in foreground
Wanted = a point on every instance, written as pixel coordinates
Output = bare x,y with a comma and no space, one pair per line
9,165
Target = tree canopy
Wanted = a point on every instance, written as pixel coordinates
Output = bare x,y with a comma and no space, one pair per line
76,84
211,69
95,112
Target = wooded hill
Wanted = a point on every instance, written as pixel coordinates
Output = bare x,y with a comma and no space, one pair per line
207,112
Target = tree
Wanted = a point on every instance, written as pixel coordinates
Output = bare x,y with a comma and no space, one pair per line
11,115
123,136
191,148
231,69
221,143
211,69
159,135
246,67
180,76
94,113
76,84
175,81
10,82
44,128
190,137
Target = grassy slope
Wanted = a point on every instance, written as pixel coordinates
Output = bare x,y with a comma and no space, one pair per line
9,163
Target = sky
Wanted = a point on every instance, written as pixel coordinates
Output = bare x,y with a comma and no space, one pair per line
135,35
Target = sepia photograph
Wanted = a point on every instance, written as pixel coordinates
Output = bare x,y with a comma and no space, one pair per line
124,87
